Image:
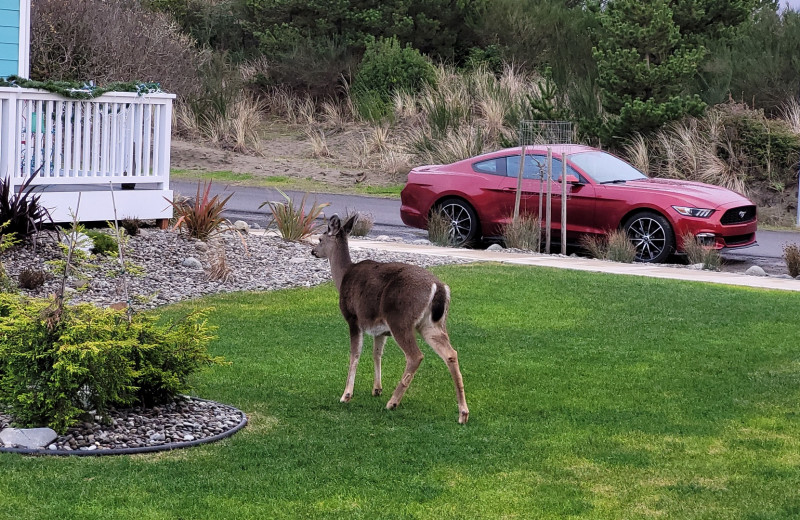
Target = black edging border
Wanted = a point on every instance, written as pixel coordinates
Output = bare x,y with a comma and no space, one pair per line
142,449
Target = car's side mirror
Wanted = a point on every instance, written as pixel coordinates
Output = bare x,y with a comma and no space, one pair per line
573,179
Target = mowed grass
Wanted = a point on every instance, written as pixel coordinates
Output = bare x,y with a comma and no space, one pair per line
591,396
287,182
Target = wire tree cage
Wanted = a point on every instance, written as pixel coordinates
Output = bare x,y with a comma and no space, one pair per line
553,135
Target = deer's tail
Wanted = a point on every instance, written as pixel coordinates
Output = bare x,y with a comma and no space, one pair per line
440,302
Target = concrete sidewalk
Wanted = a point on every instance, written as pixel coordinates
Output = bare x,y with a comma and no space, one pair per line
586,264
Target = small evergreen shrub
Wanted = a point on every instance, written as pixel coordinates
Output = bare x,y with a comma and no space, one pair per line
791,255
31,279
386,68
103,243
58,363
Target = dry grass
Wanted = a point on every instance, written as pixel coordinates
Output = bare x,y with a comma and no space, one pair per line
791,114
523,233
699,254
219,270
317,142
791,255
363,224
614,246
439,229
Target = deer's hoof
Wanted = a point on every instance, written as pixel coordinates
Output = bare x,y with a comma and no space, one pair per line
391,405
345,398
463,417
377,391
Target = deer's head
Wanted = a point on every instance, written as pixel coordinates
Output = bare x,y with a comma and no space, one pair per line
335,234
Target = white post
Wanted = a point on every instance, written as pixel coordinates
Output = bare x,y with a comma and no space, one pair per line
549,210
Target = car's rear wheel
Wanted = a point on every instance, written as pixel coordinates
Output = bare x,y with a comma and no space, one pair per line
651,235
464,226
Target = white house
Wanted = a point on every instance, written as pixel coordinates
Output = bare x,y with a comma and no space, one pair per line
110,151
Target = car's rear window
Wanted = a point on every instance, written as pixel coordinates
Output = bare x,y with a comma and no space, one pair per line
604,167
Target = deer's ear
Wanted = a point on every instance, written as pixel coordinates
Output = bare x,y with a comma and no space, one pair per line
334,224
348,225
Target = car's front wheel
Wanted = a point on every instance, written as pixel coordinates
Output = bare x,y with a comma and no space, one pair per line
464,226
651,235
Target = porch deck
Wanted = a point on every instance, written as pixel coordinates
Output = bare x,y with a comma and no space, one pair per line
119,141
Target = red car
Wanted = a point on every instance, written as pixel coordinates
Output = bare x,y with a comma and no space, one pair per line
603,193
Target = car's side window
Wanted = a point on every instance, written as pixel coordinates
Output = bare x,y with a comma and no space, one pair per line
490,166
536,167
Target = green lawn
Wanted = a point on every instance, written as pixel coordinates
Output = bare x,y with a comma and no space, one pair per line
591,396
286,182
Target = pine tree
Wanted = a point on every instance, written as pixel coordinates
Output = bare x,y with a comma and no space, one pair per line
645,67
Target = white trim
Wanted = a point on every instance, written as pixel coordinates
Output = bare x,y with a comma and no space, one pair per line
24,61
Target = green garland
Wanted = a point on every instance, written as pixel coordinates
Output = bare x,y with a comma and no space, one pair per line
77,90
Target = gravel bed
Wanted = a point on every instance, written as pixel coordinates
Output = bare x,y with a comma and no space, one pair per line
254,263
174,268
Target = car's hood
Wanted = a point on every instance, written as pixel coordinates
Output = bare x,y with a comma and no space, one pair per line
691,192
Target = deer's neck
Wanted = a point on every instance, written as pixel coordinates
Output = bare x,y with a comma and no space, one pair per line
340,263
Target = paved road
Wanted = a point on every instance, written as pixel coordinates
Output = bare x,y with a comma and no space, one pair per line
386,212
246,200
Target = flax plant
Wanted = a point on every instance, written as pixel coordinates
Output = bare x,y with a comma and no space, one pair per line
293,221
699,254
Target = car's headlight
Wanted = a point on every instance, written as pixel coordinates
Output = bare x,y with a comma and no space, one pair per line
693,212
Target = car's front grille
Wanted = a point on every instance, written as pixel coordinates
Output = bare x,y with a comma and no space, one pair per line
739,215
738,239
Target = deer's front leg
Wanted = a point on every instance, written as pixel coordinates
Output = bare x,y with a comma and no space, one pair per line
377,353
356,343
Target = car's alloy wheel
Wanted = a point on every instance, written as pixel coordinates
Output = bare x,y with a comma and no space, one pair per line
651,235
463,221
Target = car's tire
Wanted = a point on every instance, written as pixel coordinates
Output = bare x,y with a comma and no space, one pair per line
464,225
652,236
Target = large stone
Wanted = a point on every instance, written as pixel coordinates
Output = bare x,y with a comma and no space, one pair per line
27,437
755,271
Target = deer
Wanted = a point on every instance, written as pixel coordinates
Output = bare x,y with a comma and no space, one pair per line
385,299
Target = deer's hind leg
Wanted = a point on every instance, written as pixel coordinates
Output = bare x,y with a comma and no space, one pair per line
408,344
439,341
356,344
377,353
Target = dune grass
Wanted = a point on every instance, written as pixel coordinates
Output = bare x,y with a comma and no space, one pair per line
591,396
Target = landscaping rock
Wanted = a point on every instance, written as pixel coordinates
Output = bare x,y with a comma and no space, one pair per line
241,225
192,263
755,271
495,247
27,437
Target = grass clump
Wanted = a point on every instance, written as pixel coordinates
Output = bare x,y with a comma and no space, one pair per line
699,254
615,246
363,224
523,233
791,255
293,221
439,229
31,279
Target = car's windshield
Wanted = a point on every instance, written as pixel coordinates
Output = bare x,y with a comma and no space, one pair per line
603,167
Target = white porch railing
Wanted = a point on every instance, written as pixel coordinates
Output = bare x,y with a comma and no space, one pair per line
118,141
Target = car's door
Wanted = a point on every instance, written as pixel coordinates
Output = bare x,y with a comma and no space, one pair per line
580,194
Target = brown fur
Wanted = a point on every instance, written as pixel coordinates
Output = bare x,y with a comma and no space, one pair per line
389,299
